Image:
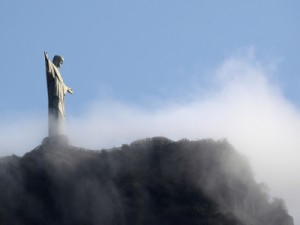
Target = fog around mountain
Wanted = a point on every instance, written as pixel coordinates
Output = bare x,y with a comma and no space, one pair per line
150,181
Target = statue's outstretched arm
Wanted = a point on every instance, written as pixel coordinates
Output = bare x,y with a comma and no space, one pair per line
46,61
49,69
70,90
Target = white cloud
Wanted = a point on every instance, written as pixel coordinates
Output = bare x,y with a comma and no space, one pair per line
20,133
246,107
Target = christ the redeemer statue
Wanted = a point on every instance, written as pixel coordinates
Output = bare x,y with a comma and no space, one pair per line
56,94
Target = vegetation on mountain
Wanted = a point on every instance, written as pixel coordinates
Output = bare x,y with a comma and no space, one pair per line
151,181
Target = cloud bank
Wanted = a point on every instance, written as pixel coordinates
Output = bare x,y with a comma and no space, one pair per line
21,132
244,106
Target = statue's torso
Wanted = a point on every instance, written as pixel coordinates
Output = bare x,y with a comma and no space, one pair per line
56,90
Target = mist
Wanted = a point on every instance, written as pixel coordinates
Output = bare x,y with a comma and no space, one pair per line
21,132
244,104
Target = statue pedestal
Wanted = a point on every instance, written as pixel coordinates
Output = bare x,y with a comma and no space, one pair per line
57,140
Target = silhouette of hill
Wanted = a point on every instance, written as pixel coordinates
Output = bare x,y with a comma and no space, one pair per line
151,181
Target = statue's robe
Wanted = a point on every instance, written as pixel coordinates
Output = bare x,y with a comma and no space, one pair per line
56,93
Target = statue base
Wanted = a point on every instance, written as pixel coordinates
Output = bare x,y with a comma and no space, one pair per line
57,140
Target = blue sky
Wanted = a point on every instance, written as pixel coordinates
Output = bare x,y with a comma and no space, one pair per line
139,68
139,50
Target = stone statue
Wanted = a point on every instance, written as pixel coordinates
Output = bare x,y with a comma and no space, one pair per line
56,93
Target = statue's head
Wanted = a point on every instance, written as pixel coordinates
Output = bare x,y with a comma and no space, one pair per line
58,61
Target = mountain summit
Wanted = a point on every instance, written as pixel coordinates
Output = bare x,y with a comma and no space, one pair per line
151,181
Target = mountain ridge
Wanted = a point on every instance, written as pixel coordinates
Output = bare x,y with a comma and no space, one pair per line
150,181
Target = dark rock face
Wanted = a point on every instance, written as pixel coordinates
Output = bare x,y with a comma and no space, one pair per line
152,181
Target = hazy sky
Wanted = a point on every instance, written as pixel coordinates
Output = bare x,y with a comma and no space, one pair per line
181,69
